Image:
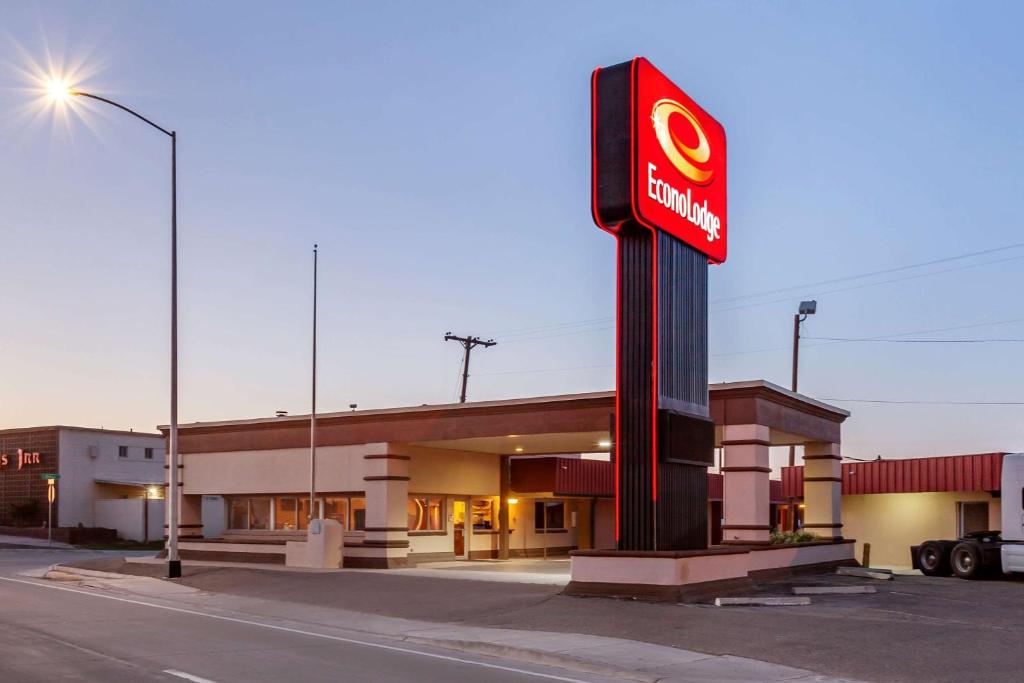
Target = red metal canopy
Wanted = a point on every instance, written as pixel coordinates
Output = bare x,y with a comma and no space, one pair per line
979,472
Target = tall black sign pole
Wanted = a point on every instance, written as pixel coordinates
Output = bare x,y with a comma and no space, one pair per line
664,438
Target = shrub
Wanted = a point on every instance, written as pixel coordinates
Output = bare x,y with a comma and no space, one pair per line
800,536
25,513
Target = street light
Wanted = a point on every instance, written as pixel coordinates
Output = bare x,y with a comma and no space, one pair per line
806,308
60,92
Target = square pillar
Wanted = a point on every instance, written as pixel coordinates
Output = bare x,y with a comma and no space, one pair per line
190,509
386,481
823,489
746,495
504,527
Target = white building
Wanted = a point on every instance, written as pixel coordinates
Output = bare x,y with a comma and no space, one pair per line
106,479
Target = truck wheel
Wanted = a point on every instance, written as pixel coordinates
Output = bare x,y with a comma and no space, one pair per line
966,560
934,559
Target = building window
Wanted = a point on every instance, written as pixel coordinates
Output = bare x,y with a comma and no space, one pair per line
483,514
358,506
291,513
249,513
349,512
336,509
149,454
426,514
285,517
122,451
549,514
259,513
238,513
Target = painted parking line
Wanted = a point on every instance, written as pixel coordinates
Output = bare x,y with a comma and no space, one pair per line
313,634
187,676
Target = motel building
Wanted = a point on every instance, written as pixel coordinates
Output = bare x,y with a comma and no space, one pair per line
528,477
894,504
104,479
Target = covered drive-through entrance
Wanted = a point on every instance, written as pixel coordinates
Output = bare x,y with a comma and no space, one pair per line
521,478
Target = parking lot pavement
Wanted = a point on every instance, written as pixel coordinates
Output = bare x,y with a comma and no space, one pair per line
913,628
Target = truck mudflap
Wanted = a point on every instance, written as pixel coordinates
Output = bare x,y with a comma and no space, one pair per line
915,563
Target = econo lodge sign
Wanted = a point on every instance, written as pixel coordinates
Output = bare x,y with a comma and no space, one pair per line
658,158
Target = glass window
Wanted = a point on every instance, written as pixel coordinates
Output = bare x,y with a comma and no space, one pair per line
549,514
238,515
337,509
483,514
122,451
284,514
302,518
259,513
358,506
149,454
426,514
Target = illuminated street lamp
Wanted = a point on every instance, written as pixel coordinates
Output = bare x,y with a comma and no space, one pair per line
60,92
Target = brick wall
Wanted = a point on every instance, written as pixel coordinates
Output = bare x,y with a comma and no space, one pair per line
21,486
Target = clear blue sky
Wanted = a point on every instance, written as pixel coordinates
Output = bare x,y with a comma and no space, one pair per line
439,154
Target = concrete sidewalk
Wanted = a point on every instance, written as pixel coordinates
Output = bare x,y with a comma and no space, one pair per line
25,542
597,655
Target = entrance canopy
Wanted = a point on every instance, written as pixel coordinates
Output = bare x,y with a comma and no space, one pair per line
572,423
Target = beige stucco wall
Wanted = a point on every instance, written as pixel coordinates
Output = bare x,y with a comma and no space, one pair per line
286,470
435,470
892,522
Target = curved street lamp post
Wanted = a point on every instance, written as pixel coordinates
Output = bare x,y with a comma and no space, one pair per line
61,92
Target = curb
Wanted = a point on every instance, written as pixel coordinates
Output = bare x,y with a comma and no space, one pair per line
87,573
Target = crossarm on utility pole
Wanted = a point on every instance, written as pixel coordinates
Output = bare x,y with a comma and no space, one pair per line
467,342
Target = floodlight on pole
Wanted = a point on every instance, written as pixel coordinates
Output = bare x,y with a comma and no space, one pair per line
806,308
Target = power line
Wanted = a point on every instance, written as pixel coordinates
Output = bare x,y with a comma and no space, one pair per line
925,403
545,328
920,341
544,370
595,324
868,284
871,274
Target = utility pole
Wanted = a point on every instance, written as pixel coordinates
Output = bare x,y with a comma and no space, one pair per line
468,343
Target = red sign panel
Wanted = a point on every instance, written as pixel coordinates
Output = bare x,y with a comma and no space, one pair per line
659,158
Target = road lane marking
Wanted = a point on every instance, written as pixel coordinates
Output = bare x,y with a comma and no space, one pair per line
188,677
287,629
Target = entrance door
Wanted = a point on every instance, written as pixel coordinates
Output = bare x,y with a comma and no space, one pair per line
459,518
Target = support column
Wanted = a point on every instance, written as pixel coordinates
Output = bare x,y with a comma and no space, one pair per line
746,496
505,490
823,489
386,542
190,509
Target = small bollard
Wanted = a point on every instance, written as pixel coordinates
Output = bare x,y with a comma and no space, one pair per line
866,559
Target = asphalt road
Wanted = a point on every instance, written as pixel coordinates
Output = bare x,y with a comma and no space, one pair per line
914,629
51,632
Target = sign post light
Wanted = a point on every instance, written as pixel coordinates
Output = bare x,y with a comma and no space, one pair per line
659,186
51,495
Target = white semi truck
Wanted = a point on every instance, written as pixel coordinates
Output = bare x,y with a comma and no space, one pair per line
983,552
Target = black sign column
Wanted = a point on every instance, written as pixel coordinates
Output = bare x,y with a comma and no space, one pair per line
664,440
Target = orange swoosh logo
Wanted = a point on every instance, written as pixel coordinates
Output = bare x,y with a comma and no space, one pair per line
682,157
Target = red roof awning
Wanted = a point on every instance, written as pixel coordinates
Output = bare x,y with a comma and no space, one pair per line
980,472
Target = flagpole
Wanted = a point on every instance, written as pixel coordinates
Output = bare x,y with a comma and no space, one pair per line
313,512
